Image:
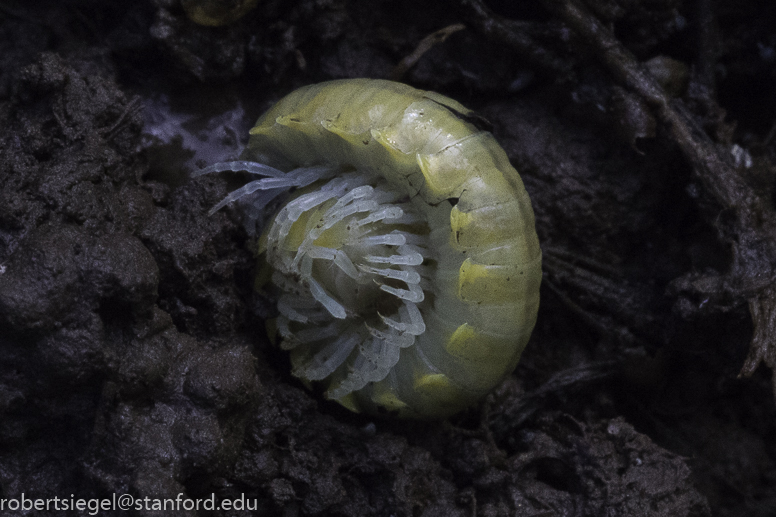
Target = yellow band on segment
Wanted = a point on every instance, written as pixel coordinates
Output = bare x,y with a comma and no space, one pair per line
432,382
389,401
260,130
489,284
472,346
440,388
486,226
462,341
348,402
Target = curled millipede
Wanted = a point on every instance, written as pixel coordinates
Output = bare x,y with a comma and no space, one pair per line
404,259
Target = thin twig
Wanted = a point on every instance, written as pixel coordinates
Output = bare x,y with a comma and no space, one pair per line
426,44
519,36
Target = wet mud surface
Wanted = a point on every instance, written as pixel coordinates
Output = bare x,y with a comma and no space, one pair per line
133,355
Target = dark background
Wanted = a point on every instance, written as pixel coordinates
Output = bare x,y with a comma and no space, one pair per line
133,357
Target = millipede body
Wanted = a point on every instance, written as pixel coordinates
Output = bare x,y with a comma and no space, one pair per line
403,259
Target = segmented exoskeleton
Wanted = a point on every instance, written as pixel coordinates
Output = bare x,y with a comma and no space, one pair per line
405,262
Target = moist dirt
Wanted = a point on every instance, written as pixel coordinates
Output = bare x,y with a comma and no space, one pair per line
133,353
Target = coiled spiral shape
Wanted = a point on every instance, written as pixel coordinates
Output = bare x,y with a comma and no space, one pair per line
404,262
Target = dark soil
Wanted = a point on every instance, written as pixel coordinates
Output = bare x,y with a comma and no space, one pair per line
133,356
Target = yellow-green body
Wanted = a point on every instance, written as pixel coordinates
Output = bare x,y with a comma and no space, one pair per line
483,298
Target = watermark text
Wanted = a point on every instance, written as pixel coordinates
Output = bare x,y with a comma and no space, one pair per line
93,506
